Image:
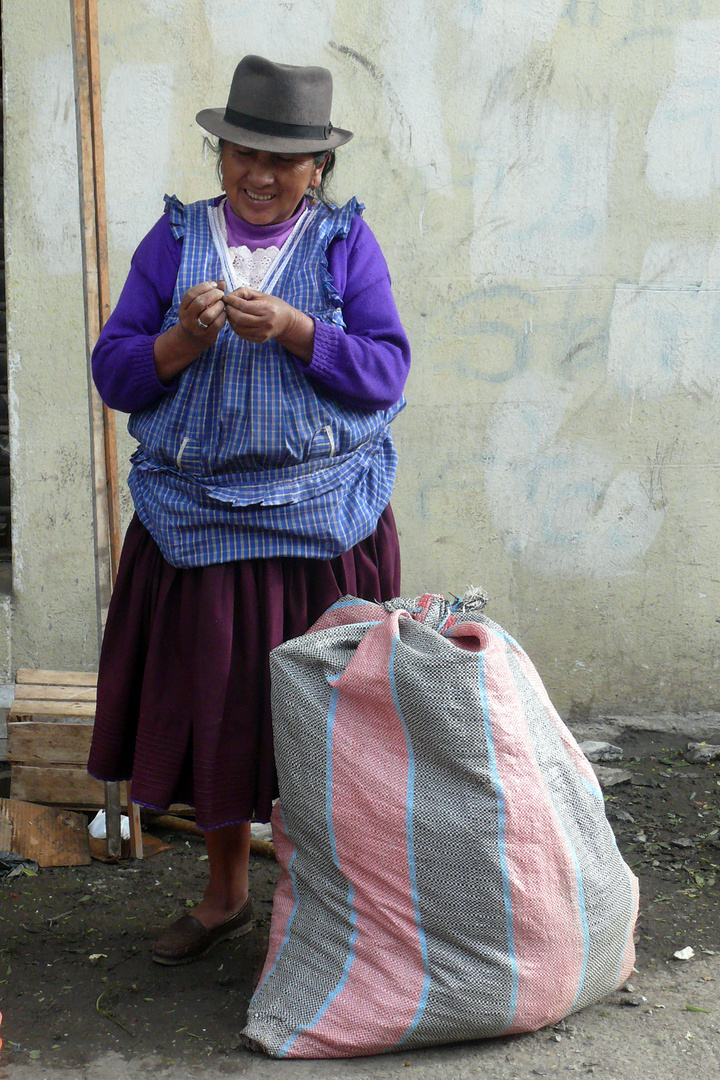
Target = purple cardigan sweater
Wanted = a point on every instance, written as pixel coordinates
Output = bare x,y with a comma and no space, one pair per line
364,366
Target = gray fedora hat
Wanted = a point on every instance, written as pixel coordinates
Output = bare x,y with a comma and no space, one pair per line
277,107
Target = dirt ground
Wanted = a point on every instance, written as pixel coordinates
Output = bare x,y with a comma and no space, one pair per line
76,979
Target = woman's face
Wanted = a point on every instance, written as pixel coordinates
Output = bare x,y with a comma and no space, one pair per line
265,188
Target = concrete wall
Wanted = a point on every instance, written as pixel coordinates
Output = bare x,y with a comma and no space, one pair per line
544,178
52,619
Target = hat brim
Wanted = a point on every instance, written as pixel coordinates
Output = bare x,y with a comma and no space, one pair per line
213,120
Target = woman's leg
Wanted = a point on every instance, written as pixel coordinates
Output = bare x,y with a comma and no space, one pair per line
228,851
226,896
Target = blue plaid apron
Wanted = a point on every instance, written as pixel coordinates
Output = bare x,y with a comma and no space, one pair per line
246,458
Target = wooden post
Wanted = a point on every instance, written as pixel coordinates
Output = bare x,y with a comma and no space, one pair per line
94,248
97,309
103,277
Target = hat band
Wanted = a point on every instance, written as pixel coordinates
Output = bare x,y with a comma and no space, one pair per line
275,127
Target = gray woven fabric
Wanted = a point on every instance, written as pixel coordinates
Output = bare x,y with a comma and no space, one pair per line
448,869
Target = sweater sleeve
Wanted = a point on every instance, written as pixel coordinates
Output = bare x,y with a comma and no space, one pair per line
365,365
123,362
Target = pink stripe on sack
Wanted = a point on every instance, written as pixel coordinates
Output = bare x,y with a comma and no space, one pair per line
546,917
284,899
587,772
383,989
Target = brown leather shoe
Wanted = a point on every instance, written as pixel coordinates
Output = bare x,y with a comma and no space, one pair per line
187,939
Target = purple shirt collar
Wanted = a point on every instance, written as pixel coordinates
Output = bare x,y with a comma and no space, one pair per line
242,234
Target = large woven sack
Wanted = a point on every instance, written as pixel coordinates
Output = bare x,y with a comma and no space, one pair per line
448,872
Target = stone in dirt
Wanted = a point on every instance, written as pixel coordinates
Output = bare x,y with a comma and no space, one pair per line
632,1001
702,753
601,751
610,777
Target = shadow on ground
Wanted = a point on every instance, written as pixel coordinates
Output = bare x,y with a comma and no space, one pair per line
77,982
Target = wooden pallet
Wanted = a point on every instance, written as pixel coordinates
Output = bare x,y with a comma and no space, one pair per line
49,732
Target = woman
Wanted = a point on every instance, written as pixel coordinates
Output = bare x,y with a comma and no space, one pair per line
257,346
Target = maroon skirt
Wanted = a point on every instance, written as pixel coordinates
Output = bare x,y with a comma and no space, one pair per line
183,704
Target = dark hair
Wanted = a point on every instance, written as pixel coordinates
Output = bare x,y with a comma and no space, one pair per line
321,192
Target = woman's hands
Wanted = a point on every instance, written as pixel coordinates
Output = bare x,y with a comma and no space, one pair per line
258,317
253,316
201,317
202,311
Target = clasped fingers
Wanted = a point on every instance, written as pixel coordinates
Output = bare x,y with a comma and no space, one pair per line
202,311
256,316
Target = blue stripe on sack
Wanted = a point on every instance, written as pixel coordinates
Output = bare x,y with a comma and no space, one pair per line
288,1044
328,774
500,795
592,789
410,851
293,913
501,632
349,601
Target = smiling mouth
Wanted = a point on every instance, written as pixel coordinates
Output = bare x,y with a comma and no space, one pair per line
258,198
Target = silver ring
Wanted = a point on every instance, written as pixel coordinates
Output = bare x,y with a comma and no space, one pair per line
201,323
